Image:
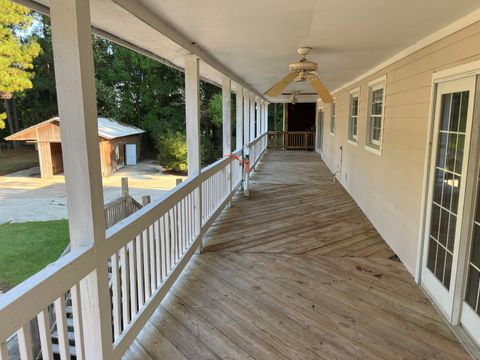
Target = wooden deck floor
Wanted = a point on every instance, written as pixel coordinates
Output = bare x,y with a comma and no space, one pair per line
295,271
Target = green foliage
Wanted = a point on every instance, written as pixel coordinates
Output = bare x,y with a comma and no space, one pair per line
215,109
172,150
3,117
40,102
16,54
131,88
210,122
26,248
275,117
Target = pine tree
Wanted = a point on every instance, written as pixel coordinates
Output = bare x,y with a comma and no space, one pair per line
16,56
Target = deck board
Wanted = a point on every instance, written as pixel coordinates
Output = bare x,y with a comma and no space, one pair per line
295,271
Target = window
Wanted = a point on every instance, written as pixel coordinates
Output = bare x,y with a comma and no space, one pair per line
376,98
353,120
332,119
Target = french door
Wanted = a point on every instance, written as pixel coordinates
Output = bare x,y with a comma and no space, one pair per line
470,312
451,264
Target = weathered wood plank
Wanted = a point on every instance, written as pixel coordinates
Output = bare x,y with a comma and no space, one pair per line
296,271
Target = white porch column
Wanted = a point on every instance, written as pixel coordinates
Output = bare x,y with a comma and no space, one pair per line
252,117
192,113
246,121
192,117
266,117
259,116
227,115
75,79
239,118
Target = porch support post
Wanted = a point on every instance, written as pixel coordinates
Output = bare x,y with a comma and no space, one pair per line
259,116
192,116
246,137
75,79
227,115
246,121
252,117
192,112
262,111
239,118
227,124
265,118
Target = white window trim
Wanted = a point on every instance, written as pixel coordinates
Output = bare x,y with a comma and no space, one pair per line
354,92
372,145
333,104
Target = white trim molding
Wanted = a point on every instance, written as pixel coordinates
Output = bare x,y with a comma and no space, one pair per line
457,72
353,93
376,84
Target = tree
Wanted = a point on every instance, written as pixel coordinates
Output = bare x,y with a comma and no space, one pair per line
40,102
16,56
131,88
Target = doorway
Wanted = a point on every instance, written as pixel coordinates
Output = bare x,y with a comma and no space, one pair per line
300,117
451,261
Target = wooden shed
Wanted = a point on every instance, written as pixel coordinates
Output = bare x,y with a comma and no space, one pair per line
119,144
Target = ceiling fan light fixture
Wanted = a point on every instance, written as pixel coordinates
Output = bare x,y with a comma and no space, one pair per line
304,50
302,70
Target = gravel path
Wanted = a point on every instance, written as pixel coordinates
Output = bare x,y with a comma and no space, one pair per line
24,196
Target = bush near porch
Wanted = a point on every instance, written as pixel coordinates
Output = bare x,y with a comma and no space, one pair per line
26,248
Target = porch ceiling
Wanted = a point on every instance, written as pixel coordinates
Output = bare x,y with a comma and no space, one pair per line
258,39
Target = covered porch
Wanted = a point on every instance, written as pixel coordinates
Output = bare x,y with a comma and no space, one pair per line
295,271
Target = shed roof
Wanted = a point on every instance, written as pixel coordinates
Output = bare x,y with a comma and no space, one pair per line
107,129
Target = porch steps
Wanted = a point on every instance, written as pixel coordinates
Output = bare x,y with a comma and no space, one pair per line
70,329
70,334
56,351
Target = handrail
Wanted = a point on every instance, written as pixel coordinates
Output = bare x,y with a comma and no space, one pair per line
146,252
119,234
257,139
292,140
27,299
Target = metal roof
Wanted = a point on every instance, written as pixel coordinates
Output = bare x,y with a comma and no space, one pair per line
107,129
112,129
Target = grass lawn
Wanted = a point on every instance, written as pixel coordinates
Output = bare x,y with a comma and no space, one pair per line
26,248
12,160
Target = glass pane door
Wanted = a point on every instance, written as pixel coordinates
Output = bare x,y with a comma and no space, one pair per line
453,116
447,185
470,318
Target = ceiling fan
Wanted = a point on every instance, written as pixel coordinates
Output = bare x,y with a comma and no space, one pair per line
302,70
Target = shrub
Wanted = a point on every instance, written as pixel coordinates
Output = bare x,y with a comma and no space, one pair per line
172,150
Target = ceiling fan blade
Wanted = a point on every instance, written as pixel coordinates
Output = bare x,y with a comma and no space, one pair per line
276,89
321,90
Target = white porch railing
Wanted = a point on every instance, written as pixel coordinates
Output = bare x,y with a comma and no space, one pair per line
147,251
257,147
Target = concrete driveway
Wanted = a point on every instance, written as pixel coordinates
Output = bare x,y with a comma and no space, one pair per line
24,196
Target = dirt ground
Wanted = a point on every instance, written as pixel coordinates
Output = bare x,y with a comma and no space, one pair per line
12,160
24,196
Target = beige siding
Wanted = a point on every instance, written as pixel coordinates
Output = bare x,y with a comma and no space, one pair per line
388,188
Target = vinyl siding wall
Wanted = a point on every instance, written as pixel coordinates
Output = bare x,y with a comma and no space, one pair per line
388,187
